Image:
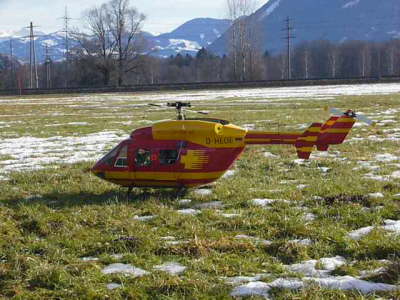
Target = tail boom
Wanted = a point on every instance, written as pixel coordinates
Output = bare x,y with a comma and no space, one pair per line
271,138
318,135
306,142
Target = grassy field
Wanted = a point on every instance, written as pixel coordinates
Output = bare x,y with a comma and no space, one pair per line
276,227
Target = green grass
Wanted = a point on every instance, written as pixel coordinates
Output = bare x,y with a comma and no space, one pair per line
52,218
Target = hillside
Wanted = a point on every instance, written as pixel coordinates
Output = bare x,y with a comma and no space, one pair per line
333,20
189,37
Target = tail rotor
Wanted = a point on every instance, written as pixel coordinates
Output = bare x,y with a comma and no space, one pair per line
352,114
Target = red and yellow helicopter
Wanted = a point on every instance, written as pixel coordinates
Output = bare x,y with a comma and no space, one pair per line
193,152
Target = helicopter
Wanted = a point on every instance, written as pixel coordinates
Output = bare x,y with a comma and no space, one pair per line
186,153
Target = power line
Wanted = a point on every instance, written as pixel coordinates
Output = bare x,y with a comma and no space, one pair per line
65,30
33,72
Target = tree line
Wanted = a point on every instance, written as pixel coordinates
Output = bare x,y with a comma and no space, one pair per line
112,51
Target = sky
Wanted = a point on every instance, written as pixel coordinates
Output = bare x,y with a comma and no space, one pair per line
162,15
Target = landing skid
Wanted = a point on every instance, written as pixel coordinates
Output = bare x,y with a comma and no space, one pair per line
181,192
129,192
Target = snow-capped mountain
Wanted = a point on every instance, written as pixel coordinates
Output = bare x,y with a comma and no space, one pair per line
4,34
186,39
189,37
55,43
334,20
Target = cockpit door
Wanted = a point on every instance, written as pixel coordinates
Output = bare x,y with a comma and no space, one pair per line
157,164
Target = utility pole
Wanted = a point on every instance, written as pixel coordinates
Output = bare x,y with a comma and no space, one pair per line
66,19
48,65
33,72
288,28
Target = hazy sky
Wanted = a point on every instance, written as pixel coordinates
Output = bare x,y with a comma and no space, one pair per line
162,15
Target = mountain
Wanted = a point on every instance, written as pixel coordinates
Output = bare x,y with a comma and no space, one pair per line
189,37
55,43
333,20
186,39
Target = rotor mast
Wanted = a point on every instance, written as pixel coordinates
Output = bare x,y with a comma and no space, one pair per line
180,108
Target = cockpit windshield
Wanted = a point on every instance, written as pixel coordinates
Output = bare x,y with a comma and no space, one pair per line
110,157
122,159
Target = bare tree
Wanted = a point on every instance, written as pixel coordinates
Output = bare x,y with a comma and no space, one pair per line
333,57
365,60
390,53
125,24
95,42
243,36
112,38
282,64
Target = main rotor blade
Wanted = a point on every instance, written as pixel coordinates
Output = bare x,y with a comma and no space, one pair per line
199,112
335,111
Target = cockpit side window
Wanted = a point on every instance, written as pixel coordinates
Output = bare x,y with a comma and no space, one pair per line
168,157
143,158
122,159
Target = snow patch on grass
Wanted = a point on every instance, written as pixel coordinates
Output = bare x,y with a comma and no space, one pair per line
203,192
376,195
124,269
244,279
189,211
89,259
270,155
253,239
390,225
30,153
210,205
256,288
386,157
230,215
309,217
350,283
172,268
268,202
360,233
303,242
229,173
113,286
184,201
309,267
144,218
259,288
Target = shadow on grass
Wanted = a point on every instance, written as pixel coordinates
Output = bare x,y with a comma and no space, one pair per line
66,200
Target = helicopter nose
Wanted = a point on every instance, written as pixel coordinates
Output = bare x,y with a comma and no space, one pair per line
98,170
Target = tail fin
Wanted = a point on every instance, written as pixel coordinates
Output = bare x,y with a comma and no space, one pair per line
335,130
306,142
